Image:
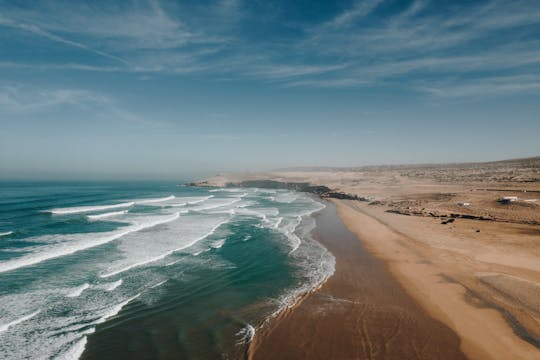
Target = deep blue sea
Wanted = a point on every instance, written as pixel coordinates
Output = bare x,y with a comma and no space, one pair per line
82,265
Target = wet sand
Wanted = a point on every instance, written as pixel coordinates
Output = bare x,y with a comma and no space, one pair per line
361,312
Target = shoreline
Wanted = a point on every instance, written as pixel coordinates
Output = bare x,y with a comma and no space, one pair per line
359,312
113,336
465,254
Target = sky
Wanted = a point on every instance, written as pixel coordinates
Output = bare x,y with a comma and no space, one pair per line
161,89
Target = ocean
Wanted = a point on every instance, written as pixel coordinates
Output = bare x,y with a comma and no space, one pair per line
149,270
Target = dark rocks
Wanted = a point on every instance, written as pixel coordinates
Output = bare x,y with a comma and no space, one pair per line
320,190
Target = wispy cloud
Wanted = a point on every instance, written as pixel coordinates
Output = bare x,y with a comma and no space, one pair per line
46,34
26,99
60,67
141,36
22,98
485,86
421,44
359,10
281,72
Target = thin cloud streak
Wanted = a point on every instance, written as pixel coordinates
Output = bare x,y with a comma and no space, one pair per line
40,32
21,99
411,46
359,10
485,86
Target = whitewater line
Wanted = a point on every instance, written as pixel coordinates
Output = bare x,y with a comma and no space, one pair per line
83,209
151,201
200,200
113,285
62,250
106,215
164,255
91,208
217,205
158,284
78,290
5,327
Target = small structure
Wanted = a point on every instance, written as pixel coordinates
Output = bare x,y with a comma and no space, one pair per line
463,203
507,199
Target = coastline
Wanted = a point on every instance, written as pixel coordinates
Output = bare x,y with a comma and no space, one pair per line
359,312
460,239
144,329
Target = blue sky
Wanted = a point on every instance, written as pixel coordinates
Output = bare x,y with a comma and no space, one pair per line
160,89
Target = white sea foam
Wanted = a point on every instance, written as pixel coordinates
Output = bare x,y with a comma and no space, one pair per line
5,327
266,191
106,215
200,252
221,212
155,200
250,212
178,204
193,202
158,284
88,241
288,227
75,292
218,244
250,333
218,205
286,198
84,209
162,255
228,190
75,351
6,233
115,309
246,334
113,285
267,215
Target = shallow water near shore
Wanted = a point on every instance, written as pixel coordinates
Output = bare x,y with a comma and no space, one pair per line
98,270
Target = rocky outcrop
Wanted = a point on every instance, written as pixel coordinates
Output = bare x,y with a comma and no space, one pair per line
320,190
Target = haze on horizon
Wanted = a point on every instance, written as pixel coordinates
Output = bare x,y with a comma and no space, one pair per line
160,89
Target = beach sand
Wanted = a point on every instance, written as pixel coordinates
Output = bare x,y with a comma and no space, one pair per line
361,312
472,297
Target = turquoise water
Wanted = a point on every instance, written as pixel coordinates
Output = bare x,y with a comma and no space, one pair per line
148,269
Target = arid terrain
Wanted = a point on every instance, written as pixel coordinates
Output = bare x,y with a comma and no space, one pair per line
463,240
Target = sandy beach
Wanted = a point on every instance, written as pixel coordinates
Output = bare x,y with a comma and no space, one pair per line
461,243
484,302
